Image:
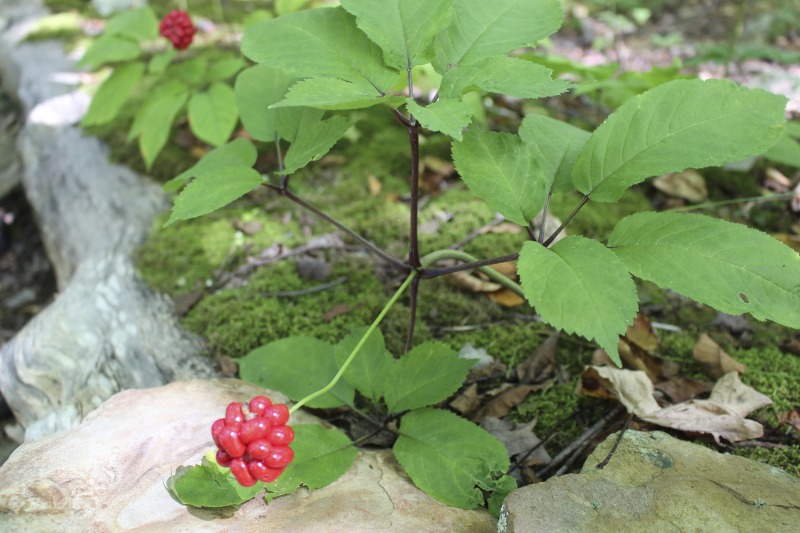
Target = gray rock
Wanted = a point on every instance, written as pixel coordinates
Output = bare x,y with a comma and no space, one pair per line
109,7
108,475
655,482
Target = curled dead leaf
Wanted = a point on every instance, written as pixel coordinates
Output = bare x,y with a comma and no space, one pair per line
791,418
518,438
506,298
467,401
472,283
715,362
689,185
502,404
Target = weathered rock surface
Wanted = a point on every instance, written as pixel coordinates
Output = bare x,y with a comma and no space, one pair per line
655,482
106,332
108,474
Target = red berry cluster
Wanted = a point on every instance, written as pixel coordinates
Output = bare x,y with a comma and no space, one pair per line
254,441
178,28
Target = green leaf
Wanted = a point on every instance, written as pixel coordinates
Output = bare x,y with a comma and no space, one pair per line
728,266
238,153
340,49
225,68
297,366
209,485
213,114
680,124
210,192
786,151
504,486
109,49
154,121
449,457
138,24
499,168
404,29
426,375
114,92
333,94
793,128
159,62
369,370
321,456
314,138
502,74
447,116
555,144
282,7
192,71
579,286
484,29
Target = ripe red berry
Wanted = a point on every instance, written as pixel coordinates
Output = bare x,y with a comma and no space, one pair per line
242,473
279,457
223,459
262,472
277,414
234,417
230,443
178,28
253,429
216,429
280,436
259,449
258,404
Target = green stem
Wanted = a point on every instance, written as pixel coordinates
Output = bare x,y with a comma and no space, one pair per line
361,343
493,274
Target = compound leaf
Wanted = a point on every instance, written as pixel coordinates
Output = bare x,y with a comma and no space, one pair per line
555,144
340,49
209,485
333,94
321,456
447,116
484,29
499,168
426,375
728,266
313,140
581,287
238,153
449,457
404,29
114,92
297,367
680,124
154,120
369,370
109,49
502,74
138,24
212,191
213,114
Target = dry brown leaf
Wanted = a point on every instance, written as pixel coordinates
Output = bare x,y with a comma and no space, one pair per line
506,298
336,310
680,389
519,439
791,418
493,369
251,227
715,362
641,333
508,269
541,363
467,401
503,227
228,366
689,185
601,358
374,185
503,403
775,180
466,281
433,171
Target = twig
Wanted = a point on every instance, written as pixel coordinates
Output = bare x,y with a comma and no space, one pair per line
563,225
602,464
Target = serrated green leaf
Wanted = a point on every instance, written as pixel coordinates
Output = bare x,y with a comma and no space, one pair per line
449,457
138,24
499,168
580,286
192,71
297,366
340,49
484,29
369,370
110,97
321,456
154,121
503,487
556,145
502,74
170,89
238,153
447,116
333,94
209,485
786,151
225,68
109,49
213,114
159,62
282,7
404,29
793,128
314,138
728,266
215,190
680,124
426,375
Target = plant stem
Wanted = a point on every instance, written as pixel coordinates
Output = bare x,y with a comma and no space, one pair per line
413,247
436,272
564,224
327,388
543,222
413,310
493,274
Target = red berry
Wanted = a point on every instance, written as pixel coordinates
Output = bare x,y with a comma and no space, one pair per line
259,449
178,28
234,417
262,472
223,459
229,442
279,457
242,473
216,429
258,404
253,429
280,436
277,414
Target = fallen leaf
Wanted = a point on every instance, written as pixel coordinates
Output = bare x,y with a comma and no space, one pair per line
506,298
541,363
689,185
374,185
251,227
433,172
641,333
336,310
467,401
508,269
469,282
519,439
313,269
184,303
734,323
791,418
680,389
503,227
715,362
775,180
795,203
504,402
480,356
